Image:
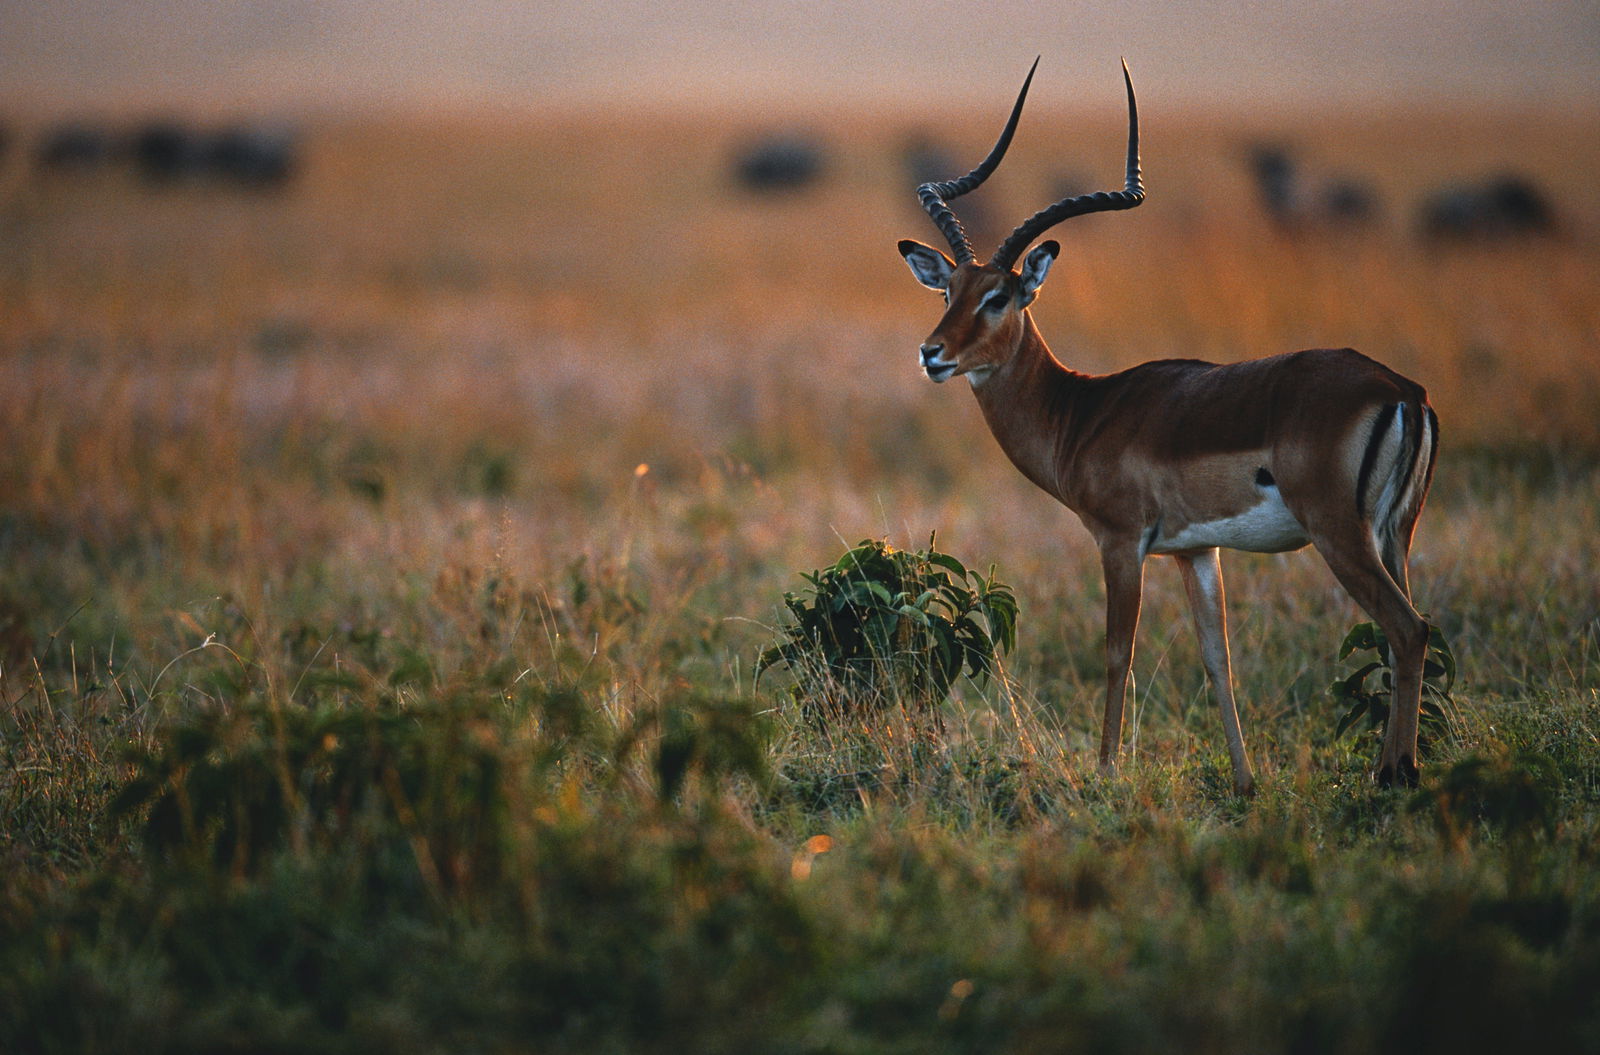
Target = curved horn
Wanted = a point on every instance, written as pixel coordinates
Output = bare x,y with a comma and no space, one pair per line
934,195
1100,201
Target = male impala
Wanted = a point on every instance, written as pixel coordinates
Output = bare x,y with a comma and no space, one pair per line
1179,457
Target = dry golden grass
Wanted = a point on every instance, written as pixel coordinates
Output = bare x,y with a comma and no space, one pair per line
569,299
497,417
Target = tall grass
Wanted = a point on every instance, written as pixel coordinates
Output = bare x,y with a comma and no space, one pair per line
393,555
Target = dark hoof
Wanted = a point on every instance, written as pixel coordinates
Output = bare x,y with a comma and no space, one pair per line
1405,775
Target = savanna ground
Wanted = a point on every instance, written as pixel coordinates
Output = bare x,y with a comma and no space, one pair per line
383,565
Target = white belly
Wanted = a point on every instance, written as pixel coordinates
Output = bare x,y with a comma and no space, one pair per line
1267,527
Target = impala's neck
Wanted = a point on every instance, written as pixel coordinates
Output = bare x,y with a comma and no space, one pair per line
1028,404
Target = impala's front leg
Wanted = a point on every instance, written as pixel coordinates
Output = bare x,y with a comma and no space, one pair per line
1124,571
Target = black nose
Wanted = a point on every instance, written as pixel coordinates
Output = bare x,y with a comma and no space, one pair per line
930,352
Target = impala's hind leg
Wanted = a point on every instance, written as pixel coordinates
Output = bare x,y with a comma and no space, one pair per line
1202,581
1364,573
1395,526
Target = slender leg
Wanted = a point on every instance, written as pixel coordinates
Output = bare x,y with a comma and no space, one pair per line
1124,571
1360,571
1395,550
1202,581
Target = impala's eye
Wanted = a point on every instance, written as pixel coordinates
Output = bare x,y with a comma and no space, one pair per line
996,302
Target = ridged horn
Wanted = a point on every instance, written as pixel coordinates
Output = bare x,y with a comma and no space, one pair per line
1100,201
935,196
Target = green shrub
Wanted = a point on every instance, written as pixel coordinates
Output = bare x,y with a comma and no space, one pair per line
885,626
1370,703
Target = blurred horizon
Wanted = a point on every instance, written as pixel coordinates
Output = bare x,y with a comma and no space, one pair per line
336,55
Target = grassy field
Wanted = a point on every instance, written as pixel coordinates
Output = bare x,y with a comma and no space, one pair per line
383,564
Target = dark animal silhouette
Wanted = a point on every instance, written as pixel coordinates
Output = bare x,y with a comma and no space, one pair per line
1293,202
1508,206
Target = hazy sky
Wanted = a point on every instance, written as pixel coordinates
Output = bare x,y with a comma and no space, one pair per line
73,53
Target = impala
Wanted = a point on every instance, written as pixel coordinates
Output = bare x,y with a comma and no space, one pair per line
1179,457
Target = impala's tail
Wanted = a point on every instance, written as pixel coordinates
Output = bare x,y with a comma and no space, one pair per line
1396,470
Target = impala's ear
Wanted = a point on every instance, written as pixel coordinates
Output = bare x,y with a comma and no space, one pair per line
1035,267
932,268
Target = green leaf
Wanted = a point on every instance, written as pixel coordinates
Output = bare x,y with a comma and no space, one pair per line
1350,718
980,663
864,551
790,654
944,560
878,590
1356,683
914,614
1361,636
950,656
1001,613
1442,654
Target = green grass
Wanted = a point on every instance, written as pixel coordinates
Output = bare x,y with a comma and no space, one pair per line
381,588
462,829
363,866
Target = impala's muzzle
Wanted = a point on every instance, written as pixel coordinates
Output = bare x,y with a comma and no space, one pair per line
934,363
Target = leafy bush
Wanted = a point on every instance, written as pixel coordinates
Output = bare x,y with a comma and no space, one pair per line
884,626
1363,701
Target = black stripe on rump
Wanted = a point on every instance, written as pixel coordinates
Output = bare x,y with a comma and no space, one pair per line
1411,463
1369,458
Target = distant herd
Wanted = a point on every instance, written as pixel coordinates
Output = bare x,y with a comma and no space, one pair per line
241,154
258,155
1493,208
1503,206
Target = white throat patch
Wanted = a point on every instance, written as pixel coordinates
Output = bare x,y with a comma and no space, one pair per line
980,375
